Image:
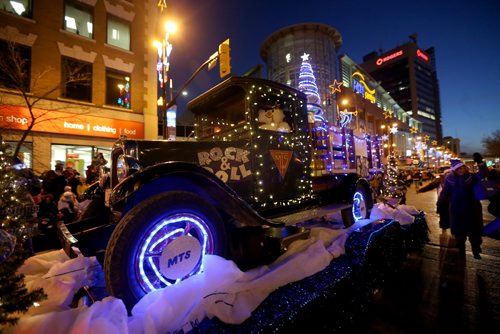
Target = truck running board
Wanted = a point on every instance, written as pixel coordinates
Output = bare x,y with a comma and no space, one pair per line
338,209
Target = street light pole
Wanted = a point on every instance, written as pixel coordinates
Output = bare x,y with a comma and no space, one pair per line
164,49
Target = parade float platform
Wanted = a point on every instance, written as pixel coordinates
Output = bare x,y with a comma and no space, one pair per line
329,299
332,300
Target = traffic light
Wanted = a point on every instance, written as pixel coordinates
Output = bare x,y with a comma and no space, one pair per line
224,59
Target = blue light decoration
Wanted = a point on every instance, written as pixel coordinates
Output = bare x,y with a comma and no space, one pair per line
359,210
307,85
346,117
349,136
124,97
320,133
159,237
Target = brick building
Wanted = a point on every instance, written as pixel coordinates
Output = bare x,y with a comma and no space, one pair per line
90,63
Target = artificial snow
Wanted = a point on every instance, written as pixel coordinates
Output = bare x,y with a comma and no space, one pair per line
221,290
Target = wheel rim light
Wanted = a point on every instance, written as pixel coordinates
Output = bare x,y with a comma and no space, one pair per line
148,246
358,206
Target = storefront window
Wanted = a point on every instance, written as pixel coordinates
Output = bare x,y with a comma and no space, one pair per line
76,156
118,33
25,155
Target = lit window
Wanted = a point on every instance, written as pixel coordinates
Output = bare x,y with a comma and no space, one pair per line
117,89
118,33
78,19
70,22
18,7
76,79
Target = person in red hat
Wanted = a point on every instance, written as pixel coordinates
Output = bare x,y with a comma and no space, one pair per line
466,217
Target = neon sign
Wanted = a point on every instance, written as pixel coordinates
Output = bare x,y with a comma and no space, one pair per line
422,55
361,88
382,60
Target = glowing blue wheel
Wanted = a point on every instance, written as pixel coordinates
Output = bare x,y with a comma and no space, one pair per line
361,202
359,208
160,242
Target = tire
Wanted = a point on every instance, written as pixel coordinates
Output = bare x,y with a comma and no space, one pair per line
361,203
160,242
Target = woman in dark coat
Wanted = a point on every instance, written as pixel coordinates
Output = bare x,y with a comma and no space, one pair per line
442,209
466,217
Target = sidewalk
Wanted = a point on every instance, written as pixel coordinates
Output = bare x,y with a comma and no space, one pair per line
436,291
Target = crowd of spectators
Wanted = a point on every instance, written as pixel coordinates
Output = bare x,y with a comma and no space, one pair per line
61,198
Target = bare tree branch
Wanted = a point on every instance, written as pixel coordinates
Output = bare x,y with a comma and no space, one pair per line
15,75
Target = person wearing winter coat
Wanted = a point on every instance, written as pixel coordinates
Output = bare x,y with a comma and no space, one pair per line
442,210
68,201
47,208
466,217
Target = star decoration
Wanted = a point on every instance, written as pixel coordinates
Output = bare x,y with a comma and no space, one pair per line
426,138
305,57
387,114
393,130
413,130
335,86
385,137
434,143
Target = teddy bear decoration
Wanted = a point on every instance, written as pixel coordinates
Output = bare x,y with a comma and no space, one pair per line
273,119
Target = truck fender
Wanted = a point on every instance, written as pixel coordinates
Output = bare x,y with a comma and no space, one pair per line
182,176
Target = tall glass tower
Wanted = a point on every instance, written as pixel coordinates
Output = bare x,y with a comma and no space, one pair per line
282,53
408,73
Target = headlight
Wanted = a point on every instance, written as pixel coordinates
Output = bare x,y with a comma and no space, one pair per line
121,168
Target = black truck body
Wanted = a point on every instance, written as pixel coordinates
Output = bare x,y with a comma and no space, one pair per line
236,190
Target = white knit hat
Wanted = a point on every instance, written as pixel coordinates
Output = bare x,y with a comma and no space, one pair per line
68,195
456,164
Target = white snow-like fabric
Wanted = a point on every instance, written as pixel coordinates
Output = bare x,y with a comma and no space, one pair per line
108,316
404,214
222,290
59,276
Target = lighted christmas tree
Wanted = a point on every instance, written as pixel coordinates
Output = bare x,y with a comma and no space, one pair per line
17,226
307,85
393,188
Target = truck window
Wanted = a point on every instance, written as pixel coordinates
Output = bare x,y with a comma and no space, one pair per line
225,116
274,118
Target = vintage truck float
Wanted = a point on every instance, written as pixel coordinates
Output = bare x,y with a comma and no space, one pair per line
238,190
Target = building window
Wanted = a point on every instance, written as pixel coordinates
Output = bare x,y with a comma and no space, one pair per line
117,89
25,155
76,79
18,7
78,19
118,33
15,66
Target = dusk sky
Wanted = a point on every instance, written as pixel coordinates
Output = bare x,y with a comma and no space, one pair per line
464,34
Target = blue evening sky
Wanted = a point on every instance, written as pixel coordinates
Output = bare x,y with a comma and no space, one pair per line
464,34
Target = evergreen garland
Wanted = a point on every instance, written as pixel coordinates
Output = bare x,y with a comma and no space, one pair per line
17,226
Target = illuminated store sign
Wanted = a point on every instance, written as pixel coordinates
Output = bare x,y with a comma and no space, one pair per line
382,60
17,118
422,55
360,87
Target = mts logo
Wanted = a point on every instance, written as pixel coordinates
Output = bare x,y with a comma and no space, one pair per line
178,258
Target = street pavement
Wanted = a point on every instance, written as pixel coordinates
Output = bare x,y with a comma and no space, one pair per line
436,291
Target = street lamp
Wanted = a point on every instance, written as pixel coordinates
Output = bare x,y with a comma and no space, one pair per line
164,48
